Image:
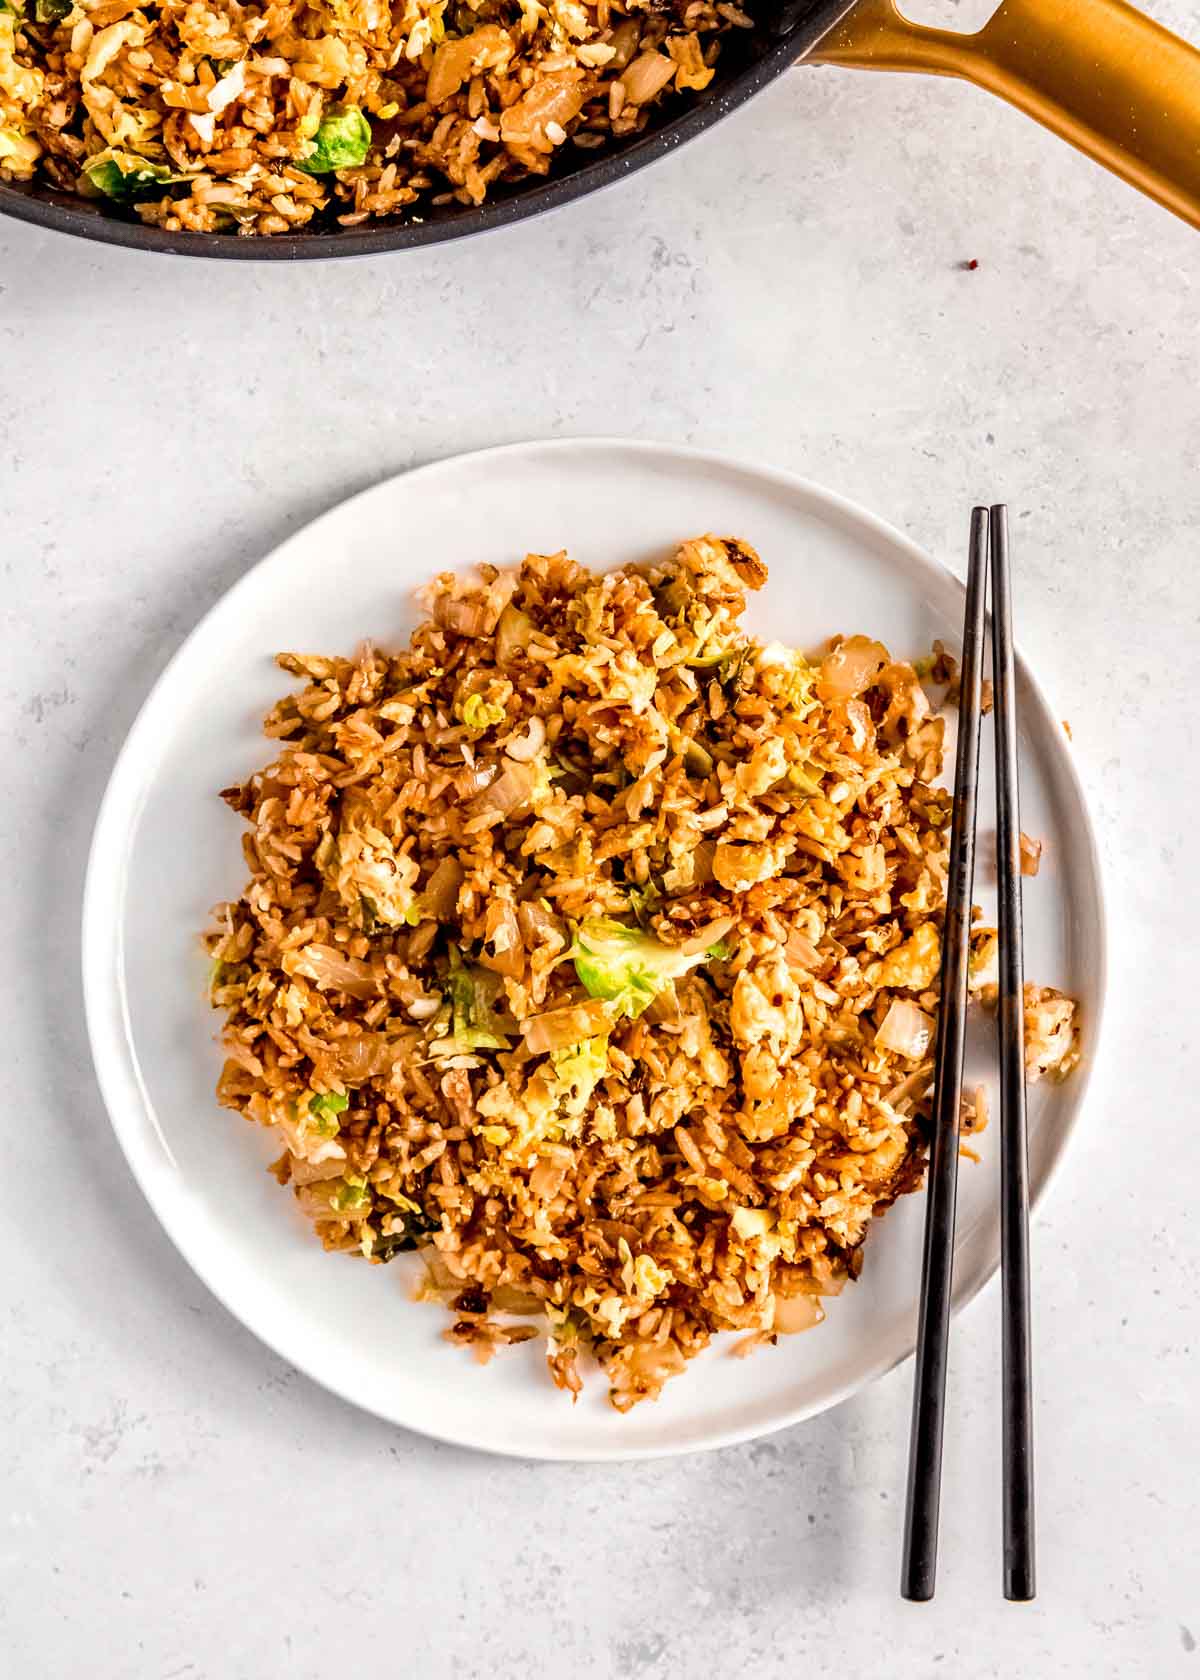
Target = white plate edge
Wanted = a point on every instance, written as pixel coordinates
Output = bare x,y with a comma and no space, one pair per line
117,1083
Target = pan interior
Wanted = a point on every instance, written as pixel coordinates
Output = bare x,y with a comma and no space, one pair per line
749,59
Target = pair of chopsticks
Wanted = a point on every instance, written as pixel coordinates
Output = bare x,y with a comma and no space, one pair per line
989,546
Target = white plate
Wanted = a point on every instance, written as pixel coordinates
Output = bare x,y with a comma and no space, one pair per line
166,849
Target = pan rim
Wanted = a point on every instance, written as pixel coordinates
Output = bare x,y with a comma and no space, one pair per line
523,205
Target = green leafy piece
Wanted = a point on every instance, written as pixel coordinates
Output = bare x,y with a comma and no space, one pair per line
479,714
709,653
21,148
788,677
708,661
126,178
325,1109
52,11
731,671
342,141
222,975
412,1232
325,852
351,1195
798,694
805,777
579,1069
628,966
642,900
477,1013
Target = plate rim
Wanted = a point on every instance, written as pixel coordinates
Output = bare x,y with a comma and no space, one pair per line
116,1065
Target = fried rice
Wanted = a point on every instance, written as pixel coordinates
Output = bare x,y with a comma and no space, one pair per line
219,115
592,948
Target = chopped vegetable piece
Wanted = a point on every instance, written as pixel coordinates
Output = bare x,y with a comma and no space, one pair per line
731,670
126,178
19,151
558,1029
806,777
629,967
480,714
906,1029
342,141
477,1013
643,899
581,1067
1031,854
351,1195
413,1231
512,634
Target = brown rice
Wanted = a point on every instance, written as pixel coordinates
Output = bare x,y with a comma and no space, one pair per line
214,115
593,948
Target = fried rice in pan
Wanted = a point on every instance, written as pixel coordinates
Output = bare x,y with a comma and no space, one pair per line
221,116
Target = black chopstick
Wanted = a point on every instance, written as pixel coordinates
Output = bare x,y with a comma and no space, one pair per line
919,1569
1017,1375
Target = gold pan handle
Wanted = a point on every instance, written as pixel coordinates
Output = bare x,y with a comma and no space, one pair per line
1115,84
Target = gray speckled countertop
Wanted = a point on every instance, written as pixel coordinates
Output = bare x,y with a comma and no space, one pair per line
178,1504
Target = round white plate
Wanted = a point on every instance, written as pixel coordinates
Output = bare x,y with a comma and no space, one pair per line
166,849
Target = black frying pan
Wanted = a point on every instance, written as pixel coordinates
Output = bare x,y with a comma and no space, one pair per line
1100,74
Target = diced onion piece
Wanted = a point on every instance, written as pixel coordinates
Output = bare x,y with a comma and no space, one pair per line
800,952
653,1362
852,667
512,633
363,1057
794,1313
511,789
906,1029
473,779
1031,854
486,48
712,934
646,77
556,99
539,926
546,1179
241,1056
503,934
329,968
467,615
440,894
558,1028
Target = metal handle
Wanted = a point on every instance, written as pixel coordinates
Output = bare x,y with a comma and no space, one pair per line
1115,84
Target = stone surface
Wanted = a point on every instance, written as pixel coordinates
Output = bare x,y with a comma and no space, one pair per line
180,1505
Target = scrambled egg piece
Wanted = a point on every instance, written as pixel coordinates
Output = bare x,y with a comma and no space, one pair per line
370,868
766,1004
915,963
